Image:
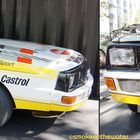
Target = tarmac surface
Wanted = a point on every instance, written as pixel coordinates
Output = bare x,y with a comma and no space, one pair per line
117,119
23,126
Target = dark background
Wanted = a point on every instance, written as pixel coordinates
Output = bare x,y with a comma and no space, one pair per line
65,23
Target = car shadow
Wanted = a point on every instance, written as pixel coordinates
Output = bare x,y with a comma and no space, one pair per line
23,124
134,122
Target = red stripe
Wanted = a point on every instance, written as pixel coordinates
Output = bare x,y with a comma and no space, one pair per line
26,51
65,53
24,60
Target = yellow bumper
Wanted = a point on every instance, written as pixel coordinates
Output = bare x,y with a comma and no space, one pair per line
30,105
128,99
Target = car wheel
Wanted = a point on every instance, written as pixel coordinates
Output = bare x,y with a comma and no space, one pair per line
6,107
133,108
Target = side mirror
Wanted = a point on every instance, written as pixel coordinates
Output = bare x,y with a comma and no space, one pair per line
102,58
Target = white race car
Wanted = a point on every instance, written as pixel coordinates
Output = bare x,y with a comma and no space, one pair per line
41,78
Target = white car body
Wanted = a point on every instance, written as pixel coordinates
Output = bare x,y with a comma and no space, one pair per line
30,72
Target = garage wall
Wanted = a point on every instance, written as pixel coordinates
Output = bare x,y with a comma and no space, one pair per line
66,23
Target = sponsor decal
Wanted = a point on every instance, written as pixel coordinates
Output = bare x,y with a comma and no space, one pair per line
5,63
14,80
58,51
76,58
39,71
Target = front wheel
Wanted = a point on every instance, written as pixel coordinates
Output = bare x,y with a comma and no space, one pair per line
133,108
6,107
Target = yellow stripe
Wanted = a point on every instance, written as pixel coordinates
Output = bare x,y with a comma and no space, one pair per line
26,68
128,99
30,105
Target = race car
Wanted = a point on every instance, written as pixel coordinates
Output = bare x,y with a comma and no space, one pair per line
123,70
41,78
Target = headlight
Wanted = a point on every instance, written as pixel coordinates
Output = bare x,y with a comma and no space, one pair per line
65,82
71,80
121,56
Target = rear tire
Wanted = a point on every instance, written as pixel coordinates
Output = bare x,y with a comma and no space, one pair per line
6,107
133,108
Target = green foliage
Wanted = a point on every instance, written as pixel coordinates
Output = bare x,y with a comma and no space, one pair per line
104,44
104,7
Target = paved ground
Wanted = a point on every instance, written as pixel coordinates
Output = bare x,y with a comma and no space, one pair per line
117,119
22,126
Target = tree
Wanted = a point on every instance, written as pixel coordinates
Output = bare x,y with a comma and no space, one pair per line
136,16
104,8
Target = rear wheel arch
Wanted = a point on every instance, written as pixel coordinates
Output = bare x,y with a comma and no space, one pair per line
133,108
8,94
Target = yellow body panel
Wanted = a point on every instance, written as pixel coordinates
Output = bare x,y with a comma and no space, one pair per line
27,68
128,99
31,105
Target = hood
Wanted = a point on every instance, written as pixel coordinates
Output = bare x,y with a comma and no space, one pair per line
128,38
49,56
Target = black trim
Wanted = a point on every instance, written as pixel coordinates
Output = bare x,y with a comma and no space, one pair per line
80,77
122,67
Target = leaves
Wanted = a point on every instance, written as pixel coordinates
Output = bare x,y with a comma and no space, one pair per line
104,8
